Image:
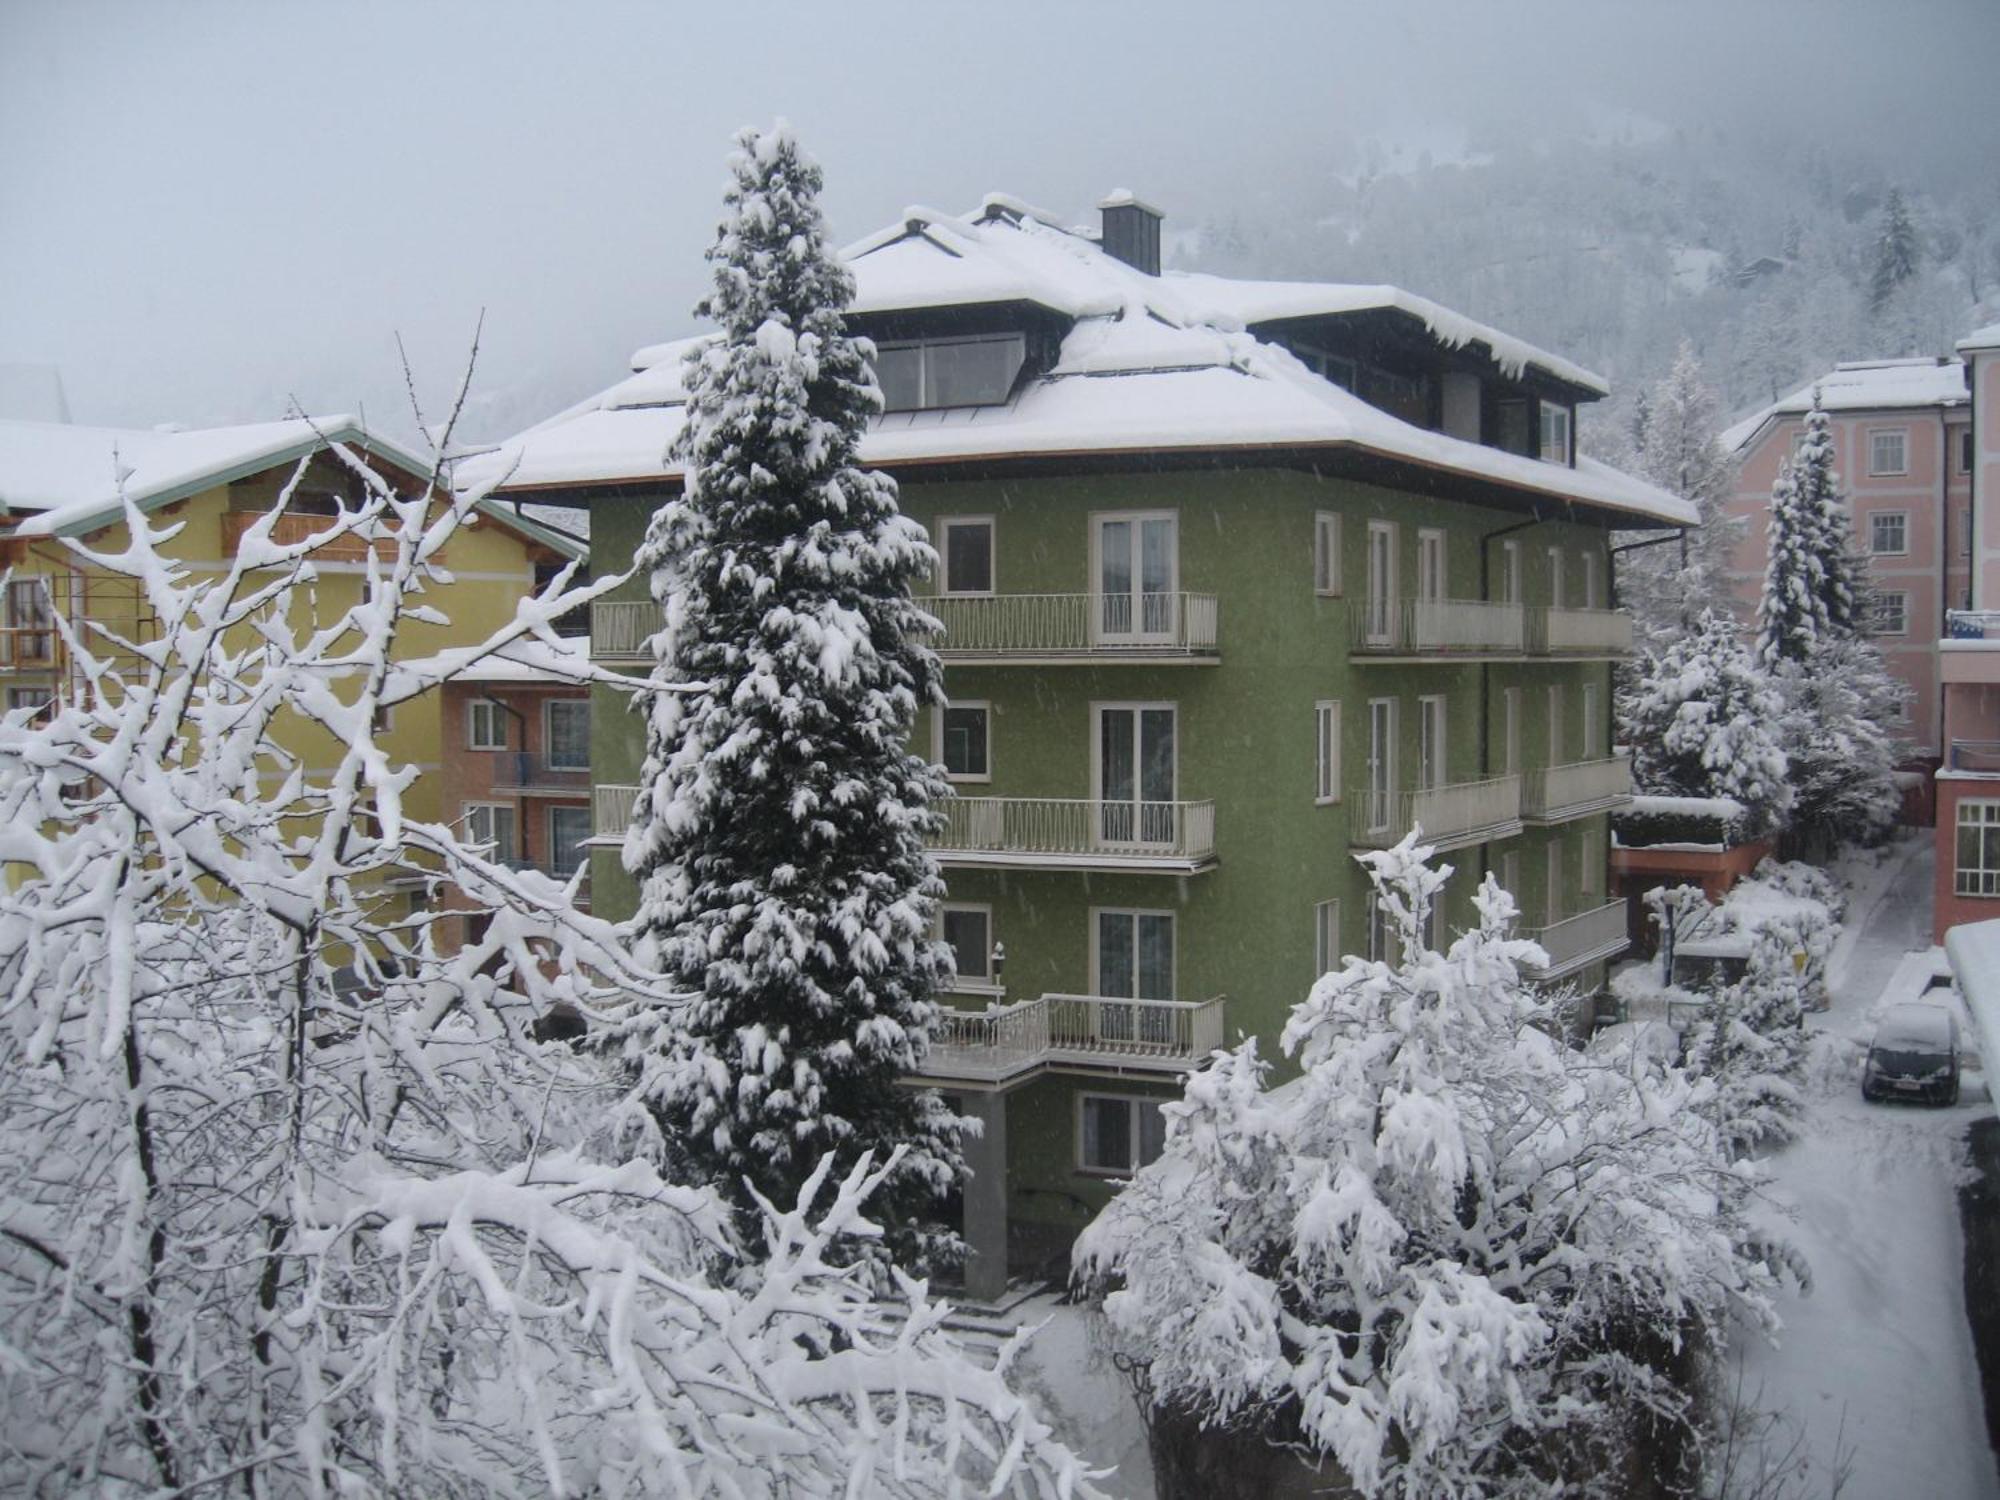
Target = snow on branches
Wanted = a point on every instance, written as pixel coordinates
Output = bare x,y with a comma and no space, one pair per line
780,827
292,1196
1455,1256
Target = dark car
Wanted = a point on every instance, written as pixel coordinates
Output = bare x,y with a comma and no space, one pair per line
1914,1055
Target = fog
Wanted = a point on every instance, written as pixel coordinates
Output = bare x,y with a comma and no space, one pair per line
213,209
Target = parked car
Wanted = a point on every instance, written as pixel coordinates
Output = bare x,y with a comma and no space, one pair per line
1914,1055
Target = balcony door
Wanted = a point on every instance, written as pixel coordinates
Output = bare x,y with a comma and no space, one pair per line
1430,743
1381,623
1381,796
1134,775
1137,566
1134,961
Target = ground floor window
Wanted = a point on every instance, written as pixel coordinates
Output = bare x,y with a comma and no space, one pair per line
1118,1134
1978,862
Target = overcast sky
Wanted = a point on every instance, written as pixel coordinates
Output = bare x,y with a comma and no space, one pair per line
209,208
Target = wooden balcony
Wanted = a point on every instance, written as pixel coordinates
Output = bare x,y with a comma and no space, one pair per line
1052,630
1046,833
1450,816
1429,629
1087,1031
293,528
1580,634
1554,794
1583,939
621,630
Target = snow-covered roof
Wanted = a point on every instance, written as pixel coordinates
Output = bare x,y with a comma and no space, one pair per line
60,479
1150,365
1982,338
1865,385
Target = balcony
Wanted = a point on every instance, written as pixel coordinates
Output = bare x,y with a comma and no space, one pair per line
1054,630
521,771
1583,939
611,812
622,629
1451,816
1981,757
1425,629
1554,794
1091,1031
1044,833
1580,634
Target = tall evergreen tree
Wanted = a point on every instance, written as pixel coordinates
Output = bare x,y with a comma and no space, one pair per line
1813,583
1896,252
779,833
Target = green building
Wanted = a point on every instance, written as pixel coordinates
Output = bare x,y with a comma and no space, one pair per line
1237,579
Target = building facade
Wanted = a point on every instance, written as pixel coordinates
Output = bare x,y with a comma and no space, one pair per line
1235,580
1902,444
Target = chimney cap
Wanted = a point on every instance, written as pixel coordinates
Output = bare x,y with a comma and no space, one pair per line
1126,198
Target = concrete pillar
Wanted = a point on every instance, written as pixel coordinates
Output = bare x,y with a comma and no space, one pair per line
986,1197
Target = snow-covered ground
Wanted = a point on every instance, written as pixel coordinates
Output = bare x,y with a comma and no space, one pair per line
1879,1355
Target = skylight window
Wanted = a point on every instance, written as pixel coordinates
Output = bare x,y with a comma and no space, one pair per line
922,374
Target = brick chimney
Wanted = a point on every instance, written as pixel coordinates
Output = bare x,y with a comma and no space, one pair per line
1131,231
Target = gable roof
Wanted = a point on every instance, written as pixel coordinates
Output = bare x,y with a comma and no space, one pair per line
1863,385
1150,365
59,479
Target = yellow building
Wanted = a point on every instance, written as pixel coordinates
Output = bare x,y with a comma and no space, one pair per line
59,481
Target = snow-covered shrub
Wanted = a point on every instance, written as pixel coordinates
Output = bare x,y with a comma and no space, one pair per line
779,832
1454,1257
293,1201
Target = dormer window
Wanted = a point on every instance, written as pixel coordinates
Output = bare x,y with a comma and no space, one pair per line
1555,433
924,374
1334,367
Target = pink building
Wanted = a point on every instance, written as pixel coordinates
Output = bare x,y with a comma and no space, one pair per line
1903,445
1968,781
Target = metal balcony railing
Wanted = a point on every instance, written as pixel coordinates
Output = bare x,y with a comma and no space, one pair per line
1437,627
611,810
1579,632
520,770
1972,624
1030,830
1457,813
1974,755
622,629
1550,794
1064,627
555,869
1582,939
1084,1030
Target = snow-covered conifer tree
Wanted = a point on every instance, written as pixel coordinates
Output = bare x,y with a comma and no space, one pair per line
1813,583
293,1201
779,832
1896,252
1703,720
1455,1257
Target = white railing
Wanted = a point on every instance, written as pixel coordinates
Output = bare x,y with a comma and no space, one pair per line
1078,829
611,809
1059,625
620,629
1459,812
995,1044
1581,632
1583,938
1570,791
1972,624
1458,626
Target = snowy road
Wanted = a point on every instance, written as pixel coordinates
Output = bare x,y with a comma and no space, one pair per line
1881,1345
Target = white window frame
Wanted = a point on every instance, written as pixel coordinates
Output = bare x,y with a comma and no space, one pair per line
1433,742
1875,521
1381,608
1879,435
1098,520
1554,410
1380,938
467,812
1590,724
1134,1103
549,738
1510,875
1552,871
580,845
985,708
38,699
1590,858
1555,711
1979,878
499,715
1382,757
1590,600
982,983
1326,937
1555,578
1326,751
1510,572
1433,566
1510,730
945,526
1883,615
1132,1025
925,384
1326,553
